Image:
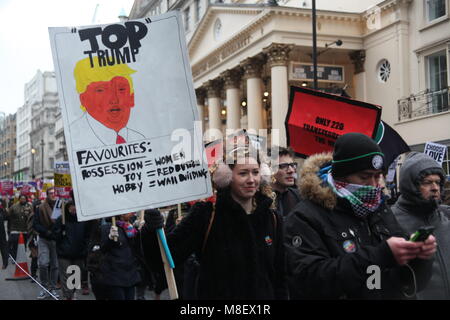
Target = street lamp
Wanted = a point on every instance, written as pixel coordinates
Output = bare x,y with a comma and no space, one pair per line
42,157
33,151
6,169
314,34
18,174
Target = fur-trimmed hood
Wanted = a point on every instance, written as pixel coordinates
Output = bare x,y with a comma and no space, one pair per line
311,186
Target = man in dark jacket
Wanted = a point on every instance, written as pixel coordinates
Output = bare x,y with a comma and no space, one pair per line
18,216
284,181
47,257
3,242
342,241
71,245
421,185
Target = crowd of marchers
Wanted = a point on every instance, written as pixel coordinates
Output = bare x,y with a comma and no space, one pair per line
270,232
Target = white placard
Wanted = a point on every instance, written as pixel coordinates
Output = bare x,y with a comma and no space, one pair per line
435,151
129,112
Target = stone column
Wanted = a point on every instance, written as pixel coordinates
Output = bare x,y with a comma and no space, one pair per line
201,94
213,93
231,79
278,58
252,73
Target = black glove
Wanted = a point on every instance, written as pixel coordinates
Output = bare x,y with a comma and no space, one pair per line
153,219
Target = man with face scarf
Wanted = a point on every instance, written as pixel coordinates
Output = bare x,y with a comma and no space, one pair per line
342,241
421,184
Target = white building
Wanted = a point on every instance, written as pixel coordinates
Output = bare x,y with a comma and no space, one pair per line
36,128
394,53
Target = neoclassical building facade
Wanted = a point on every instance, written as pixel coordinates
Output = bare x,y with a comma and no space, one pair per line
246,54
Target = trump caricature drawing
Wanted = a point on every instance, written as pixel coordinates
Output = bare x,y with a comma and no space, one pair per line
107,97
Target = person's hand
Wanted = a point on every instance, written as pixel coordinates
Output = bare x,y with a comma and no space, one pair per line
428,248
138,224
153,219
113,233
403,250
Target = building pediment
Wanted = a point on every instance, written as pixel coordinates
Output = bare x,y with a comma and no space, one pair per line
220,24
256,27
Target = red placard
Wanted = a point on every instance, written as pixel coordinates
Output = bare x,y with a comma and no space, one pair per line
214,151
316,119
7,188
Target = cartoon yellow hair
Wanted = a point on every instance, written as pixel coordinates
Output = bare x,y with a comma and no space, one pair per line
84,74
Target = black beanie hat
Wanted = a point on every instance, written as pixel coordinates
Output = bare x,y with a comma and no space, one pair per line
355,152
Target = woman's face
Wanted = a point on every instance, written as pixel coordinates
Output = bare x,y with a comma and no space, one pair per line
245,179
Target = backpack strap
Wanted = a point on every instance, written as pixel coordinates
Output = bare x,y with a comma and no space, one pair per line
211,219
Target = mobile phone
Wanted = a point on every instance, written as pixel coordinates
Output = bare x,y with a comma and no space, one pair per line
422,234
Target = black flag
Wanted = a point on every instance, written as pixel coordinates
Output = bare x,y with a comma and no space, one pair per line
390,142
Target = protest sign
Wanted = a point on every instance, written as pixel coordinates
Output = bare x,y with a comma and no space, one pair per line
435,151
214,151
316,119
46,184
63,181
7,188
124,89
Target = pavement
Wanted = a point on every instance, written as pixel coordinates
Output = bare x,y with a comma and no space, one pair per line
29,290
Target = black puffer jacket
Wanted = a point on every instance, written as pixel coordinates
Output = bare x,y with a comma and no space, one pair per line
71,238
329,249
413,211
119,266
244,257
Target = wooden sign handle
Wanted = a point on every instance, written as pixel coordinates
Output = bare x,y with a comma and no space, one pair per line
113,220
63,212
171,283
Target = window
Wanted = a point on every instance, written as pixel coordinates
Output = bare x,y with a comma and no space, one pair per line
186,19
435,9
51,162
217,29
198,8
437,81
51,146
383,70
446,163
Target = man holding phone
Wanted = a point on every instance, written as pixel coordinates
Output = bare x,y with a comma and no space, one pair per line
342,228
421,184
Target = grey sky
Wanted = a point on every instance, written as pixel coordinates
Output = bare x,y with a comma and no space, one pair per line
24,39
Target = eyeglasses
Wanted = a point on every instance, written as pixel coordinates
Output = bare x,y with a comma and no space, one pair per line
284,166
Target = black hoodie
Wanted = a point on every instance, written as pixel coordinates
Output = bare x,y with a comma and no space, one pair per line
413,211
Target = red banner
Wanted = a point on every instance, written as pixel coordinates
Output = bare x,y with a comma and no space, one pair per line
7,188
214,151
26,190
316,119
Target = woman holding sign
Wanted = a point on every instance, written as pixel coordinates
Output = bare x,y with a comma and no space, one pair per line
238,239
116,275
